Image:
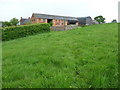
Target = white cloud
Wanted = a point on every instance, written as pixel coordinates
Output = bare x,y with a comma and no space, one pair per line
76,8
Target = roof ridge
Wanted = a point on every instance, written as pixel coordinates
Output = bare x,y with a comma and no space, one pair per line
54,15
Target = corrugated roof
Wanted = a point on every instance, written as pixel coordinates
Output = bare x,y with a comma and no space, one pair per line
83,18
54,16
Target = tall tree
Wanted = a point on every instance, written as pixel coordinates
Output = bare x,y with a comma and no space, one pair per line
14,21
100,19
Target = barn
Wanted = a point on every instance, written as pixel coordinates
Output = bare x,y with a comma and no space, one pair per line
46,18
85,21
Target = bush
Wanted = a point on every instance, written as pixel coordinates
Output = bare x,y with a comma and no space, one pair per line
23,31
83,25
51,23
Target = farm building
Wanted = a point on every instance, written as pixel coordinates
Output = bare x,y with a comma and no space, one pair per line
114,21
24,21
85,20
45,18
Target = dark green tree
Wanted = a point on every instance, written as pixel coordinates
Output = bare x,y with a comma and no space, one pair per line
100,19
6,24
14,21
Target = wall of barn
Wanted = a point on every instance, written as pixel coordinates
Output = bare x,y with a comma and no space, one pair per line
33,20
57,22
89,21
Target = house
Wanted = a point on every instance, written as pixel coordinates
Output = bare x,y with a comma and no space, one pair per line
0,24
85,20
46,18
24,21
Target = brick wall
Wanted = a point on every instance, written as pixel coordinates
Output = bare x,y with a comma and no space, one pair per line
34,20
59,22
56,22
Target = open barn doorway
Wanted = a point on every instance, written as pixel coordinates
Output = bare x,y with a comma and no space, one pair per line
50,21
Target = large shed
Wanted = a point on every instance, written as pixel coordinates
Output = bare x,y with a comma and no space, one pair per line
56,20
85,20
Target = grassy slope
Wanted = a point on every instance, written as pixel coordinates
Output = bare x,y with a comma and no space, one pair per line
84,57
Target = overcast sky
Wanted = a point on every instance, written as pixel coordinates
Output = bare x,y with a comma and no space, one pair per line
74,8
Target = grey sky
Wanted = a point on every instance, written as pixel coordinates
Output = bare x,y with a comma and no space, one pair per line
75,8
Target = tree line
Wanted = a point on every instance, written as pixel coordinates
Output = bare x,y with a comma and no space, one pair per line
12,22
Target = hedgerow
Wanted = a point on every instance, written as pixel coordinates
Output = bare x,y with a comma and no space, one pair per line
23,31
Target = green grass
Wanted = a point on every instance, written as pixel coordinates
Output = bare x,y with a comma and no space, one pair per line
81,58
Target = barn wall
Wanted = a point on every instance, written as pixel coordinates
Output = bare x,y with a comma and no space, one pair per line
57,22
89,21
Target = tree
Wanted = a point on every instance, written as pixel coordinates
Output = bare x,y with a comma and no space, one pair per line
14,21
6,24
100,19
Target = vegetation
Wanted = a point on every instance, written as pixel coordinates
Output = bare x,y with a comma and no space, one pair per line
100,19
27,23
50,23
81,58
6,24
23,31
12,22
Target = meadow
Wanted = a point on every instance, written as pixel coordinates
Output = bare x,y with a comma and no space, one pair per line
85,57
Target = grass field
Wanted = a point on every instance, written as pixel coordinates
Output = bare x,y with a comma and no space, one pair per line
81,58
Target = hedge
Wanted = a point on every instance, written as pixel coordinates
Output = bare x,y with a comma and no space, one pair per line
23,31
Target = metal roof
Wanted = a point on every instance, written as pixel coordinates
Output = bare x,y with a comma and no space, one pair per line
83,18
37,15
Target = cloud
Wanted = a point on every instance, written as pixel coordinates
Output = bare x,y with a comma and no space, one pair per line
76,8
